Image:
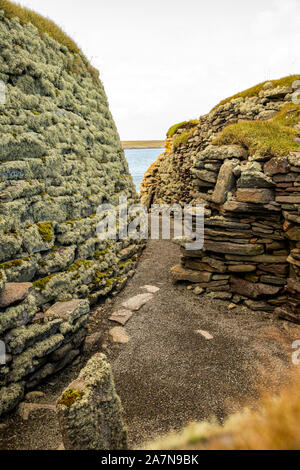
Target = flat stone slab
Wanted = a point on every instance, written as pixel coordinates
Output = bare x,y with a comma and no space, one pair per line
92,342
119,335
14,292
25,409
121,316
151,289
205,334
68,311
179,273
135,303
31,396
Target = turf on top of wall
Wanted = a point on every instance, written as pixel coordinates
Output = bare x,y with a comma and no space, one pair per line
254,91
275,137
45,26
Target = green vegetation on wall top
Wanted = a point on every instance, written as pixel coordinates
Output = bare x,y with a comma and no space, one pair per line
274,137
255,90
180,125
45,26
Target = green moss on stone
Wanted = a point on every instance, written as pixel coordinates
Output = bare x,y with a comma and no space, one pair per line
11,264
184,125
100,254
46,231
79,264
99,277
183,138
41,283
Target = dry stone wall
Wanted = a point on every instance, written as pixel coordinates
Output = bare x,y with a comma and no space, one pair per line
174,178
252,208
60,158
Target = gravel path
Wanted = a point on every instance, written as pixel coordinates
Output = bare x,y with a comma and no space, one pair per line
169,374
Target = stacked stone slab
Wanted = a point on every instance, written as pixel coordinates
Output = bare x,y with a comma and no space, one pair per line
60,158
252,232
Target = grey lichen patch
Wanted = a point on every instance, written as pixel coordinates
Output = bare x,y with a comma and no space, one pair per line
10,244
2,280
60,158
21,338
71,327
30,360
10,396
18,316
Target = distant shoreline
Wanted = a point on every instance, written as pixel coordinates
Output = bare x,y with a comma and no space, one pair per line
143,144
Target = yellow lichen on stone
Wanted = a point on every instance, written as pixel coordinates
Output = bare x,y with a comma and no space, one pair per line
69,397
46,231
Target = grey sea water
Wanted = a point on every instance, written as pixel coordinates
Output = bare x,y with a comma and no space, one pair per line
139,161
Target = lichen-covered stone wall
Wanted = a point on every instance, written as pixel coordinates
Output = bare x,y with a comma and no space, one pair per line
60,158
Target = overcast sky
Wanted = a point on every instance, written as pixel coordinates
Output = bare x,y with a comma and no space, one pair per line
165,61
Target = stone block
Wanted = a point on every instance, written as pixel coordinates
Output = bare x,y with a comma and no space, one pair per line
256,196
179,273
90,412
13,293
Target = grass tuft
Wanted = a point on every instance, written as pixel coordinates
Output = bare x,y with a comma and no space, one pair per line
275,137
182,125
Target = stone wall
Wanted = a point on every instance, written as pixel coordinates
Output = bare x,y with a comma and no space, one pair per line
251,199
60,158
252,234
173,177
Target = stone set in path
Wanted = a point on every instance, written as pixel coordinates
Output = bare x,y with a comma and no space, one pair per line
123,315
